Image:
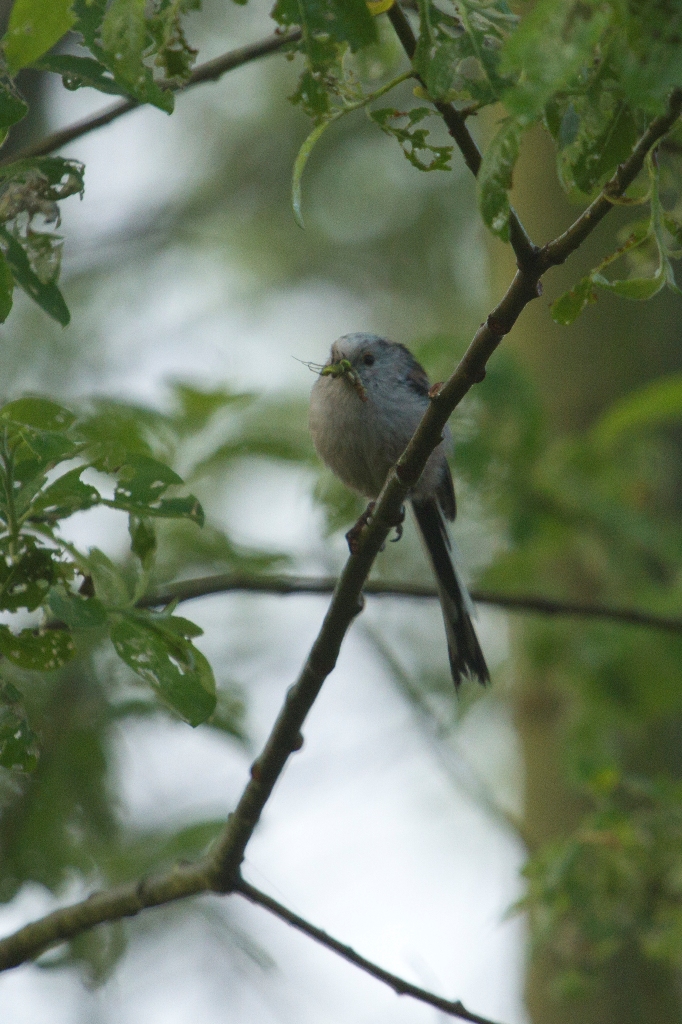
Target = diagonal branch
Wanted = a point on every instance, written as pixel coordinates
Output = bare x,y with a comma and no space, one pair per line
399,985
224,583
211,71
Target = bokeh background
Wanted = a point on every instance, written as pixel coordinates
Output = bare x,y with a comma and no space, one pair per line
404,824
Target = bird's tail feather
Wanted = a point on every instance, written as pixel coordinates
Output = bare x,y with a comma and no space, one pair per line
466,656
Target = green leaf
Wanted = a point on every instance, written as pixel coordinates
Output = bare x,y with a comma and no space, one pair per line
34,27
18,747
142,481
124,41
25,581
31,649
68,494
658,403
173,667
568,306
76,611
89,15
299,166
114,434
441,71
12,108
41,413
346,21
495,177
636,288
605,137
79,72
48,296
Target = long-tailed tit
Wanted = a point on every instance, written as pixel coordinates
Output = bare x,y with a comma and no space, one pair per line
364,408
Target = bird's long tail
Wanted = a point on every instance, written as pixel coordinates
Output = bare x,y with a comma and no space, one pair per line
466,656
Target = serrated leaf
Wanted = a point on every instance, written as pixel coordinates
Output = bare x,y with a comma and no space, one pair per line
173,667
41,413
47,296
76,611
35,650
34,27
568,306
495,177
68,494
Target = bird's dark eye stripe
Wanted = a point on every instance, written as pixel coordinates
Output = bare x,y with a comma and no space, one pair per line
368,359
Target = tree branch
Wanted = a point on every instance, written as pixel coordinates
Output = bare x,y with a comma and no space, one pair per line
109,905
211,71
399,985
223,583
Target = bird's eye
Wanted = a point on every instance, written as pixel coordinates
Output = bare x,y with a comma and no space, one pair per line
368,359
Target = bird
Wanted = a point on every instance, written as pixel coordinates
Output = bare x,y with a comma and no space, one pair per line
364,408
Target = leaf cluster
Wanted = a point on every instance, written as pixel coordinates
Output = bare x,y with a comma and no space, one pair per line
134,49
44,452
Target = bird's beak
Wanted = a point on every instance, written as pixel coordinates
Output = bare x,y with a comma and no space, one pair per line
344,368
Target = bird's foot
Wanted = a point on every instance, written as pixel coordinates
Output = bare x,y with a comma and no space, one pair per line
399,526
353,535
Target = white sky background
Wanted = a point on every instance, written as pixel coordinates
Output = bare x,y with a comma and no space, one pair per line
366,835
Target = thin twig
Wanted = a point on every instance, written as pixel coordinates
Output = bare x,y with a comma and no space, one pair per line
399,985
223,583
211,71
